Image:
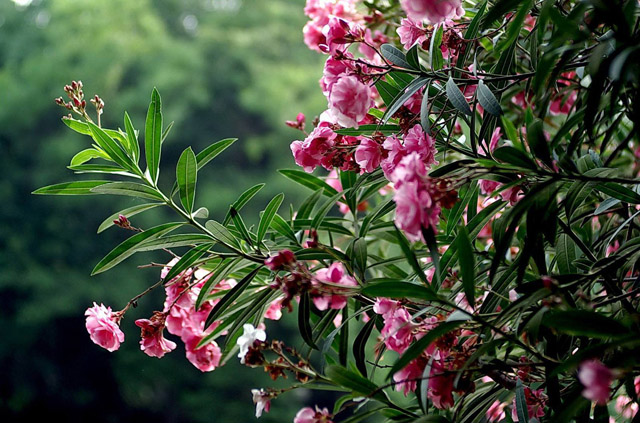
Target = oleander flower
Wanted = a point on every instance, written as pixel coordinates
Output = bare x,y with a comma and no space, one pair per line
350,100
103,328
152,341
435,11
596,379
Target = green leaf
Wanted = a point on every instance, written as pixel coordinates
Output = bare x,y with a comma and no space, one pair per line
411,257
173,241
566,254
186,177
360,254
370,129
521,403
470,33
225,267
488,100
424,110
112,148
395,56
187,260
128,247
422,344
153,136
132,138
360,344
304,311
513,156
467,264
585,323
222,234
380,211
131,211
108,169
437,61
456,97
402,97
619,192
499,9
399,289
322,212
267,216
211,152
238,224
455,215
355,382
244,198
538,142
309,181
283,228
412,57
230,297
71,188
129,189
86,155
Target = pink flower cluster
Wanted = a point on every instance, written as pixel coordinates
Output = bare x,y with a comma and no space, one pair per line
185,321
536,402
399,332
416,207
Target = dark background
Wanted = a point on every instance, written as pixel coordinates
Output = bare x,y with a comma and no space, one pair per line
224,68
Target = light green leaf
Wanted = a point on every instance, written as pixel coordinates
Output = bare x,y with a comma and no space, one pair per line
267,216
130,189
211,152
71,188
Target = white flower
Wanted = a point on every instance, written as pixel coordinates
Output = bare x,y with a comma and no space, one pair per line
262,400
247,339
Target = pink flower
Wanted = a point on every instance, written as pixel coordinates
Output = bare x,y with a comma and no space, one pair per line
411,33
495,413
368,155
336,34
415,207
326,294
398,330
562,104
313,36
385,307
406,380
310,152
262,400
153,342
274,312
441,385
434,11
102,325
596,379
417,141
309,415
350,100
626,407
334,69
205,358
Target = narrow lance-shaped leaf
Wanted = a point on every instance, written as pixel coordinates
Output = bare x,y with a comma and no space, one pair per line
244,198
402,97
467,264
230,297
424,110
112,148
211,152
71,188
395,56
304,310
153,136
186,177
187,260
132,137
521,403
437,61
488,100
267,216
456,98
129,189
128,247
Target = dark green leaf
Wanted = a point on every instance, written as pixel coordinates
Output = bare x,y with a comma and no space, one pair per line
411,257
244,198
395,56
399,289
267,216
304,311
186,177
402,97
370,128
456,97
132,138
230,297
360,344
309,181
355,382
283,228
130,189
153,136
467,264
585,323
187,260
222,234
211,152
521,403
128,247
488,100
514,157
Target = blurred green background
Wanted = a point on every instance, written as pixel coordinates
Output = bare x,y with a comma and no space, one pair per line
224,68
